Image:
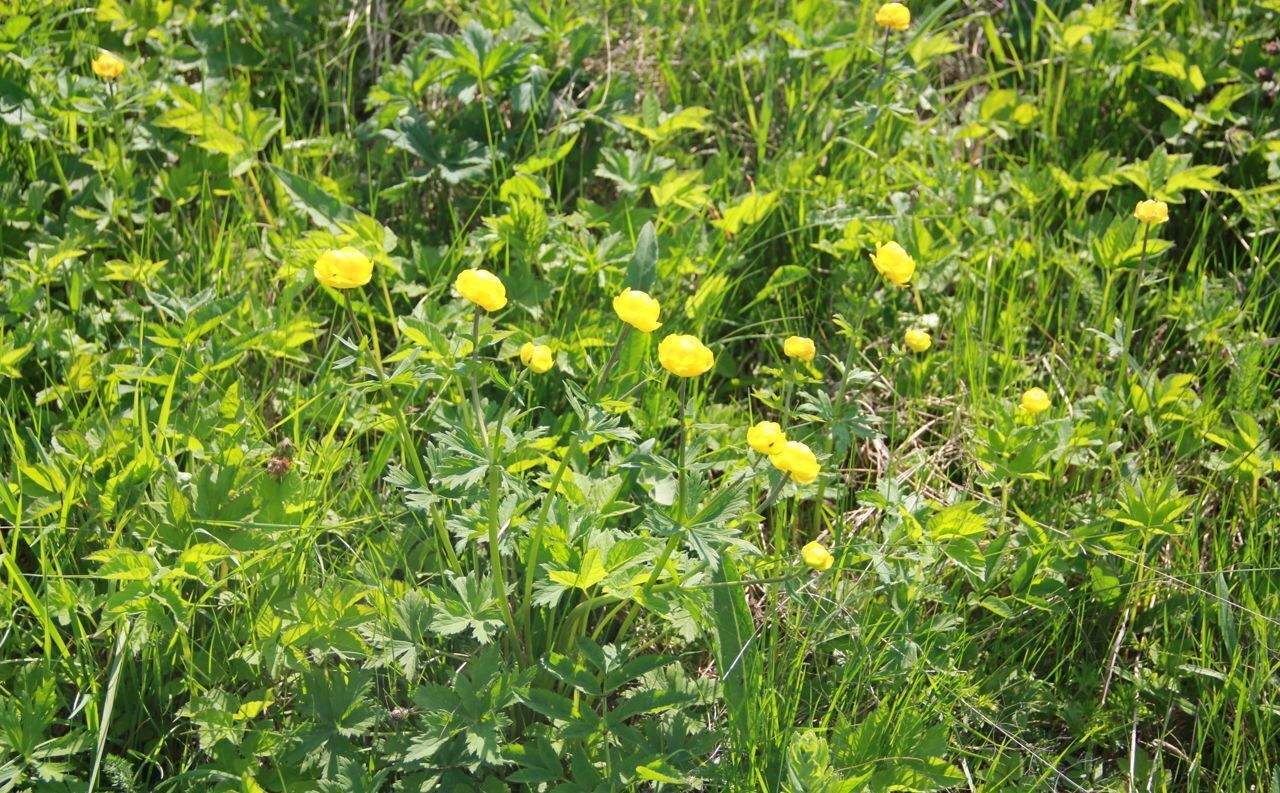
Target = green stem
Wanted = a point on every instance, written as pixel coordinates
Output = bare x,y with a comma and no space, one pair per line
674,540
475,366
408,450
535,536
495,552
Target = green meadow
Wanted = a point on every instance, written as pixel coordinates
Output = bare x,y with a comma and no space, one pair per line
649,395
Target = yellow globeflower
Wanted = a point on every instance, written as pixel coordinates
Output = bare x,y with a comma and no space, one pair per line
638,310
817,557
895,16
536,356
1151,212
766,437
107,66
800,347
797,460
1035,400
343,268
894,263
917,339
482,288
685,356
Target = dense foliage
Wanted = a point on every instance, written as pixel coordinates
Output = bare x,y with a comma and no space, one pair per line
258,533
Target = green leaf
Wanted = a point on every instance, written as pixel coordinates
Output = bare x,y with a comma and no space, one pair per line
642,270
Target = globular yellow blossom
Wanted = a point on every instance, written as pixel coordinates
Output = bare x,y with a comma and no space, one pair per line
799,347
894,263
343,268
1035,400
536,356
918,340
482,288
1151,212
797,460
766,437
894,16
817,557
685,356
638,310
107,66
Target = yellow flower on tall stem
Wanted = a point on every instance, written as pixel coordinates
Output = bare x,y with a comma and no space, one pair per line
638,310
798,461
1151,212
766,437
108,66
801,348
537,357
1035,400
894,263
918,340
893,16
482,288
685,356
343,268
816,556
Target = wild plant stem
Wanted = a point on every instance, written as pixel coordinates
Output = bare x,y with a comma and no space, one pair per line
408,450
535,535
475,367
674,540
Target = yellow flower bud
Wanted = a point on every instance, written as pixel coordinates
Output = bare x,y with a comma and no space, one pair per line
537,357
894,16
918,340
817,557
894,263
638,310
685,356
343,268
1153,213
107,66
766,437
482,288
797,460
800,347
1035,400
